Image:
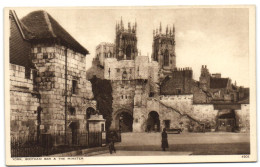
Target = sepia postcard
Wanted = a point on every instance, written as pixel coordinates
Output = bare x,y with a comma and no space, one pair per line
130,85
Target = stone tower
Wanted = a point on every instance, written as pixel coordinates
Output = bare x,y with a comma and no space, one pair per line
164,49
126,41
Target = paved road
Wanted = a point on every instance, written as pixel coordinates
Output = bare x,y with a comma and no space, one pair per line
134,139
186,143
142,153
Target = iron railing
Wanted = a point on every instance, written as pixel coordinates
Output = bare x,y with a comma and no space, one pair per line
49,144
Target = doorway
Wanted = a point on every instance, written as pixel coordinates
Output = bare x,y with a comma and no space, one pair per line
153,122
226,121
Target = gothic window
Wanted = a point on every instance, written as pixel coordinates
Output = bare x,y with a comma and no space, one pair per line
166,58
128,52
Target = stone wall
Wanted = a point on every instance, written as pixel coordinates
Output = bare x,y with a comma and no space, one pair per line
154,76
123,93
166,113
49,60
182,103
128,69
205,113
141,67
184,114
129,80
243,118
114,69
23,103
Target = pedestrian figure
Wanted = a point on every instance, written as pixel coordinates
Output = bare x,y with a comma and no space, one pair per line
149,128
111,140
164,140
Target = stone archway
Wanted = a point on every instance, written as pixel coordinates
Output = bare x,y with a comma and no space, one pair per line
90,111
226,120
73,128
123,120
153,122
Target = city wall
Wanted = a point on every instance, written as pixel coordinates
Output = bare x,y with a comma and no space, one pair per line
243,118
182,113
23,103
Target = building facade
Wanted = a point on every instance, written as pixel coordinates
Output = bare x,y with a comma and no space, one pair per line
152,95
49,92
104,50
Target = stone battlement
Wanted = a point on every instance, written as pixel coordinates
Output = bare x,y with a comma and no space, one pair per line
105,44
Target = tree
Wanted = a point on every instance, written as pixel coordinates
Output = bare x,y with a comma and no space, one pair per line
102,91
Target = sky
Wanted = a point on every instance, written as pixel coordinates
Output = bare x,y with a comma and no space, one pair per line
216,37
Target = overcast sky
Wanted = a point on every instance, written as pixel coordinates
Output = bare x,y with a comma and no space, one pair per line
214,37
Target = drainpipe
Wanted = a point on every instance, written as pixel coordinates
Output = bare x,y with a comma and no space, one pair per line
66,95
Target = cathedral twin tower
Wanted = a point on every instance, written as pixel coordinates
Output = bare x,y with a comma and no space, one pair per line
163,50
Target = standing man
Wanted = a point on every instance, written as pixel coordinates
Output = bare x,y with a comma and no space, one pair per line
111,140
164,140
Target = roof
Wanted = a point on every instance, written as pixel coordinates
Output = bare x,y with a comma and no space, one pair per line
41,25
217,83
19,46
22,29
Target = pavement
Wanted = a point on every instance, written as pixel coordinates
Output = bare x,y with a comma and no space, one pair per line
212,143
142,153
142,139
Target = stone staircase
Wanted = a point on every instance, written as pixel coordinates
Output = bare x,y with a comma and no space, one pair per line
180,113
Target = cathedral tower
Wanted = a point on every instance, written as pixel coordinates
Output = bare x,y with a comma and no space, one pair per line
126,41
164,48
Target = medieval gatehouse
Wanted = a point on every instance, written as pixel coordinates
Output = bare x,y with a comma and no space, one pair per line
149,95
